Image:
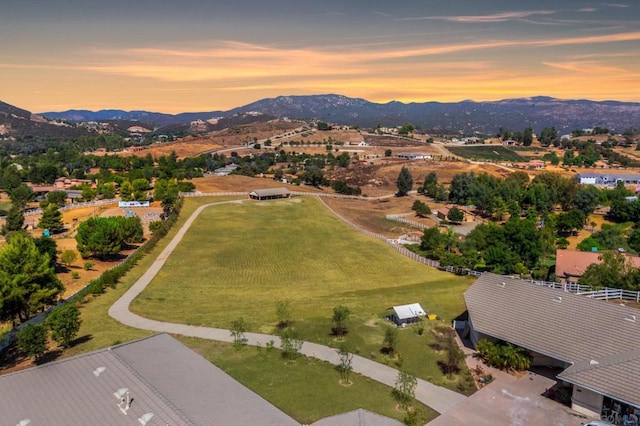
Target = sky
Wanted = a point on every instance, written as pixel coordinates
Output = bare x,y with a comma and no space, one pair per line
198,55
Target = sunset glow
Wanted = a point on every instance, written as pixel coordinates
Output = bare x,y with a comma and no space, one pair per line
200,56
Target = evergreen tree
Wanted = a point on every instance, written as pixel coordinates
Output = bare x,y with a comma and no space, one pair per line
28,282
404,182
14,220
51,219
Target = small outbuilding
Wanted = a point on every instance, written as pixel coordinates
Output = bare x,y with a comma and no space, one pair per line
269,194
406,314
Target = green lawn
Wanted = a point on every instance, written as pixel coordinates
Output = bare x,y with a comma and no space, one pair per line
250,256
307,389
481,152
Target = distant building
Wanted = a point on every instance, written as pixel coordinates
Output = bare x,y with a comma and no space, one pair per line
608,179
572,264
269,194
414,156
226,170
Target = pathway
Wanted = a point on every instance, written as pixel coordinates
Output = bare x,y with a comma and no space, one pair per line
436,397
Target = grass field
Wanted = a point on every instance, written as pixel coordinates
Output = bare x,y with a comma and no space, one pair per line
307,389
250,256
489,153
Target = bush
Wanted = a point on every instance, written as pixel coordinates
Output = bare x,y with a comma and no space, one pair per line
504,356
64,322
32,339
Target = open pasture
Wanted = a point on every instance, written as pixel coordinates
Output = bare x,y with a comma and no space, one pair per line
486,152
239,260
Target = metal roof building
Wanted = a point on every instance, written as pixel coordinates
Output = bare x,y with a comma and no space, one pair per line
405,314
269,194
597,343
153,381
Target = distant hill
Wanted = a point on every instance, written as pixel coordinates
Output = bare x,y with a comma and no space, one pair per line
465,116
157,118
18,122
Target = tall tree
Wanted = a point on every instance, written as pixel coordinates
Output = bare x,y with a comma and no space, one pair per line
51,219
14,220
527,136
404,182
28,282
21,195
455,215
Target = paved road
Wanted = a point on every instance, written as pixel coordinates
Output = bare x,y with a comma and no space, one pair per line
436,397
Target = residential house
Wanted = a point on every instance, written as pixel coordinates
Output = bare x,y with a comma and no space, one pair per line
572,264
594,342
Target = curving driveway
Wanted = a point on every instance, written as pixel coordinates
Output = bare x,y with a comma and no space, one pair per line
436,397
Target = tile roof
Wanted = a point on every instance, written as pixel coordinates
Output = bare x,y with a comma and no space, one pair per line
163,377
572,263
564,326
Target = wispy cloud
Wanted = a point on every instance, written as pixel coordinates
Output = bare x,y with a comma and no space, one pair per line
618,5
586,67
587,9
495,17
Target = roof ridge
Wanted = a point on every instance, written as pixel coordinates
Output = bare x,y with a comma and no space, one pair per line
603,361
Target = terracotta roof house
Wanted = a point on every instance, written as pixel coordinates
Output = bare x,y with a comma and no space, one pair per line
269,194
597,344
572,264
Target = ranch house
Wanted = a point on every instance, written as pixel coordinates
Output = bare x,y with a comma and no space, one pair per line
593,342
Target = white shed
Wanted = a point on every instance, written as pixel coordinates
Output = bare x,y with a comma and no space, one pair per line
407,314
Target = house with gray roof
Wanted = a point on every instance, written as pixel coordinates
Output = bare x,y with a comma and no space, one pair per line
608,179
596,343
153,381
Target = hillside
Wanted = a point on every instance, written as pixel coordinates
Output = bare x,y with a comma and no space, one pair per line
437,117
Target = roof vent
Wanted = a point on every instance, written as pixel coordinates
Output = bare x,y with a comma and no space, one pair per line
557,299
631,318
98,371
593,362
145,418
501,284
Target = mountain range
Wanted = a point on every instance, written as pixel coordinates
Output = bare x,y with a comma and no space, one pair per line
466,116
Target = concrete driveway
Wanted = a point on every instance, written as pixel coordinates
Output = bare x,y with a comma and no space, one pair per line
513,401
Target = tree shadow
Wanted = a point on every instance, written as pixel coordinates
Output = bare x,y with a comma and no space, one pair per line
49,356
81,339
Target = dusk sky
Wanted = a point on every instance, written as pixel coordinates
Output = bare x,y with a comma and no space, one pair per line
196,55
